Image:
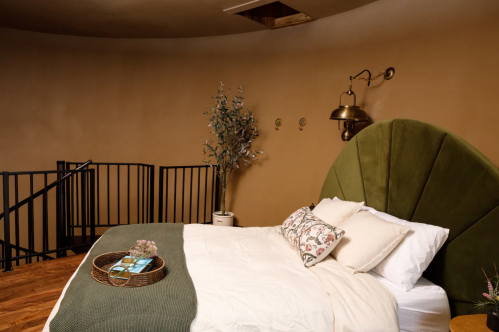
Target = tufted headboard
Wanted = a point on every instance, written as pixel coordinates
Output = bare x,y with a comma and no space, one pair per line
422,173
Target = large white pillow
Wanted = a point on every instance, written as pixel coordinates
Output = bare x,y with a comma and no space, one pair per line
367,241
334,212
312,238
406,264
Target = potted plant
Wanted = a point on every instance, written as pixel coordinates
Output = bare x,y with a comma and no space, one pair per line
235,131
492,300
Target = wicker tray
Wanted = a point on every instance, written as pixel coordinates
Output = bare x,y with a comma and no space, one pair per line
102,263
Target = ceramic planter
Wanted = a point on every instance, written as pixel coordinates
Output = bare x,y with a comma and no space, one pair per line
220,220
493,320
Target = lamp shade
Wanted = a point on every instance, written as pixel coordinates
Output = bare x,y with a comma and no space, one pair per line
349,113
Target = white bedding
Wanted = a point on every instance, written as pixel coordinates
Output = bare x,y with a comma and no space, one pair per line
250,279
423,308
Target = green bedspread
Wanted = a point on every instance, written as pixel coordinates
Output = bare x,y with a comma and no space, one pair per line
168,305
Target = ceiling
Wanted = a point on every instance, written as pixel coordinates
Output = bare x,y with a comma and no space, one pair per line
149,18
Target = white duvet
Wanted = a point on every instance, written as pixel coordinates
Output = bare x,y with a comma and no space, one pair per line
251,279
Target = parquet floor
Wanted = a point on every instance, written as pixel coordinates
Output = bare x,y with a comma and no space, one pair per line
28,294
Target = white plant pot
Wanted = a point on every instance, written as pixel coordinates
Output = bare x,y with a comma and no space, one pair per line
219,220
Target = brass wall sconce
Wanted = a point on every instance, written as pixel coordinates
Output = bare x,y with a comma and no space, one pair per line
352,114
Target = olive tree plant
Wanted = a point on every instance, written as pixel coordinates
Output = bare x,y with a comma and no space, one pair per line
235,131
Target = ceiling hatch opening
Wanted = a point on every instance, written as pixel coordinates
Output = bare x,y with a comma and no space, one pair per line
276,15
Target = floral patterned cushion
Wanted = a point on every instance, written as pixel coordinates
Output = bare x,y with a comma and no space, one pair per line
310,236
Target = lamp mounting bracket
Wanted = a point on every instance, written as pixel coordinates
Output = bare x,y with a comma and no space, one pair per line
387,75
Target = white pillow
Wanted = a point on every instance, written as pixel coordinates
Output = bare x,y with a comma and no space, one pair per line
312,238
406,264
367,241
335,212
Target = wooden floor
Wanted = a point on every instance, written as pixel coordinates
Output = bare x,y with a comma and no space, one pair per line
28,294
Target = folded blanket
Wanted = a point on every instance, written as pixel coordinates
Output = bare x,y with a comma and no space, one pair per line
168,305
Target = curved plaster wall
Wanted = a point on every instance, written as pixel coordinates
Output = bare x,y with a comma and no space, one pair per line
129,100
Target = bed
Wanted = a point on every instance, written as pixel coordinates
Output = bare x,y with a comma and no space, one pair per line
253,281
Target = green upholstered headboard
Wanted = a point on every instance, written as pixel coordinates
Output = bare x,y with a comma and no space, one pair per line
422,173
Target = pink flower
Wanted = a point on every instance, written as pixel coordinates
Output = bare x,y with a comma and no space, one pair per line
330,237
491,289
319,251
308,247
488,296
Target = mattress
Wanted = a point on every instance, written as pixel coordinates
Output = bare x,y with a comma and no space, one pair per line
424,308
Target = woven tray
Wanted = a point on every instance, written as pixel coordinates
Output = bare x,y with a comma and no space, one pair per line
102,263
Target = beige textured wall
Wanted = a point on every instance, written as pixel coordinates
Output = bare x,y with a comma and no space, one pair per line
123,100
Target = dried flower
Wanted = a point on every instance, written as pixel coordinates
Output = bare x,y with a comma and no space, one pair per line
493,295
144,249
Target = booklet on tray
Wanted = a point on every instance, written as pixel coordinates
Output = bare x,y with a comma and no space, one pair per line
141,266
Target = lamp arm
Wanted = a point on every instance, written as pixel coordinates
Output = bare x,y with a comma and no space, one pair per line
369,79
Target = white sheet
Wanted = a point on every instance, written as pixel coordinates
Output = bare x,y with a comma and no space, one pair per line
423,308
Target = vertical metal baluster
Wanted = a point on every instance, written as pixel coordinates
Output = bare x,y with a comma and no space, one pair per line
213,192
160,205
205,192
92,206
58,228
16,197
143,209
175,198
60,213
88,195
183,190
151,196
68,204
217,189
118,168
199,188
6,223
77,198
45,232
83,210
72,231
190,197
138,194
31,219
98,194
148,219
166,199
128,193
108,200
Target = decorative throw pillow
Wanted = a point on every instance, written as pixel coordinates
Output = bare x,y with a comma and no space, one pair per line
368,241
312,238
335,212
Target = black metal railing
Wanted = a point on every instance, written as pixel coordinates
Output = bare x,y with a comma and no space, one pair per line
125,192
92,196
31,222
203,194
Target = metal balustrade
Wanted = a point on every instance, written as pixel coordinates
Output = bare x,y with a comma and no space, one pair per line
89,198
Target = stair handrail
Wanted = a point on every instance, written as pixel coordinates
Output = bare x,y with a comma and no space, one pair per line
50,186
